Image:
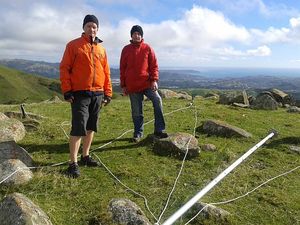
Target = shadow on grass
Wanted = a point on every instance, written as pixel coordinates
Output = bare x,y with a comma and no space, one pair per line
285,140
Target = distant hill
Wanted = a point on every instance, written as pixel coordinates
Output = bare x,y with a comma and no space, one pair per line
19,87
45,69
287,80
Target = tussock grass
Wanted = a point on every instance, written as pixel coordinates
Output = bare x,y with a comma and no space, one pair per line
85,200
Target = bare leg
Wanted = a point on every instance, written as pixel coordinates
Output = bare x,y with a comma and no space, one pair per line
74,147
87,141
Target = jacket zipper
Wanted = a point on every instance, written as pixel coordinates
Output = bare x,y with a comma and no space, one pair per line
93,61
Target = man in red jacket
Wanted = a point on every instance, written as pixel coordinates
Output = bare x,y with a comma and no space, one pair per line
86,84
138,77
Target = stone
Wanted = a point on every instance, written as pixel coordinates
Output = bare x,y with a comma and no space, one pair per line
265,101
11,129
3,116
124,211
210,212
208,147
10,150
10,166
176,144
293,109
294,148
220,128
17,209
166,93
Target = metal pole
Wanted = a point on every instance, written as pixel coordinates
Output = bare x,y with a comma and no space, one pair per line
207,188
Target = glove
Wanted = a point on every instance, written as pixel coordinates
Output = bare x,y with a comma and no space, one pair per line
106,100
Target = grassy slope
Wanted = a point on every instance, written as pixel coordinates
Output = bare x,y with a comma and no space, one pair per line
85,200
19,87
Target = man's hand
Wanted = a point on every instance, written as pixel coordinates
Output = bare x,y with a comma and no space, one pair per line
106,100
154,85
68,96
124,90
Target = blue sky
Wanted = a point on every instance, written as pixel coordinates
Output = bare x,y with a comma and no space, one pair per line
183,33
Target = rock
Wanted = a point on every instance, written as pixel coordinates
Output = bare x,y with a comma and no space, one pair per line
3,116
19,115
294,148
10,150
210,212
166,93
11,129
293,109
220,128
208,147
265,101
31,124
124,211
227,98
54,99
176,144
8,167
240,105
17,209
281,96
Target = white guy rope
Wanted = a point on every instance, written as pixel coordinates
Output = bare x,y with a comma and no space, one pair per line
180,171
244,195
128,188
207,188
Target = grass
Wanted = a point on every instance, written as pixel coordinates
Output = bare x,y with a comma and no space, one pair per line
85,200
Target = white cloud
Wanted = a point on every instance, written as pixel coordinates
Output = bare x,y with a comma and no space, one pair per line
201,36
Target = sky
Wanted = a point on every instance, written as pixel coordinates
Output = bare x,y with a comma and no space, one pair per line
183,33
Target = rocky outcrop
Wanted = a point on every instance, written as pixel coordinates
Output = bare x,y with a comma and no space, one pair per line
21,174
11,129
10,150
220,128
125,212
17,209
177,144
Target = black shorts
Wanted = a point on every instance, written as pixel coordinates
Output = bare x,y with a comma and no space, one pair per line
85,112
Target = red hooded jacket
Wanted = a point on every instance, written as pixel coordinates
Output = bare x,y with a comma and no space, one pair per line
138,67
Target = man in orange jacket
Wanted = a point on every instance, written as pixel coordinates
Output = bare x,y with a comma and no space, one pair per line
139,77
86,84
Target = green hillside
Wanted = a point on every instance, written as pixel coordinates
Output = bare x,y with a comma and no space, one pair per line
84,201
19,87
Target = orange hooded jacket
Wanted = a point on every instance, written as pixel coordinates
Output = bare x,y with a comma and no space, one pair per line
84,67
138,67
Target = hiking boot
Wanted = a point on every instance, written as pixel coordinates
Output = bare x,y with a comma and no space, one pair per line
160,135
73,170
136,139
88,161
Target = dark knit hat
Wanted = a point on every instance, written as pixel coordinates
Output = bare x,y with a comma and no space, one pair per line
90,18
137,28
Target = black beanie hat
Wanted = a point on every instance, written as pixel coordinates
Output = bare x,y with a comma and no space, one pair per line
90,18
137,28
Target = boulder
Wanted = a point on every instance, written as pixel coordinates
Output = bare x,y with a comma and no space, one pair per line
281,96
17,209
220,128
21,174
293,109
11,129
176,144
210,212
166,93
124,211
10,150
265,101
3,116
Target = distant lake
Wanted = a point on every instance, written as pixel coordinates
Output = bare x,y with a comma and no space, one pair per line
240,72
